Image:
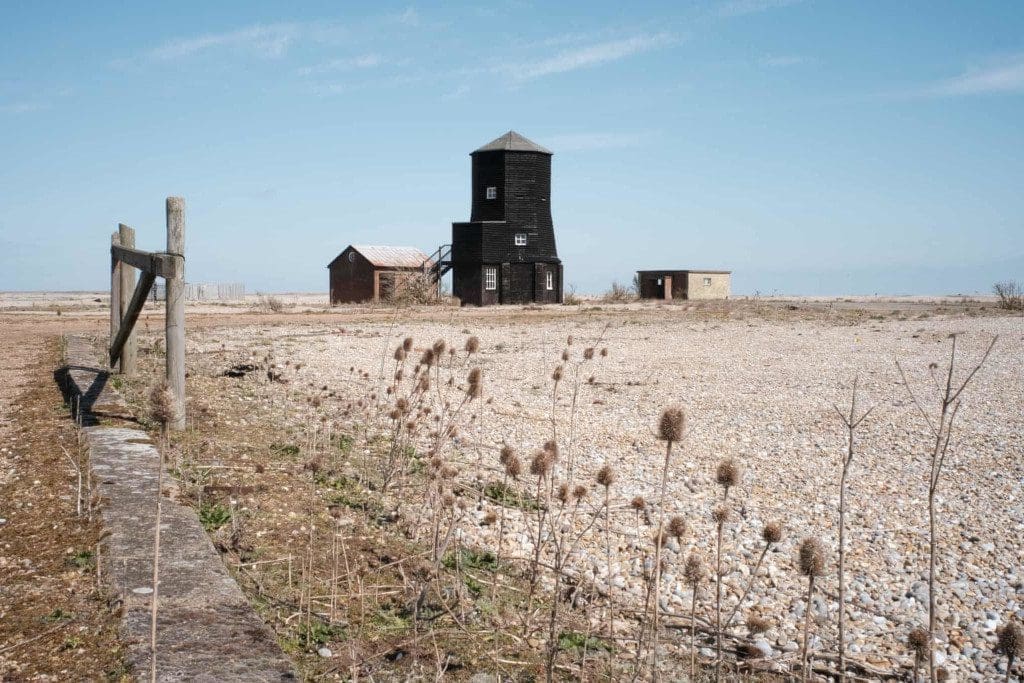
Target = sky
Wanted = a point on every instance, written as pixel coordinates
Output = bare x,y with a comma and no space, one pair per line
812,147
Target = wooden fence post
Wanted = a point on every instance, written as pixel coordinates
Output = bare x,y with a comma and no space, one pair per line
128,353
175,316
115,292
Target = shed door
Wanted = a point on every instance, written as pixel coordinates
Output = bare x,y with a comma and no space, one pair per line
521,289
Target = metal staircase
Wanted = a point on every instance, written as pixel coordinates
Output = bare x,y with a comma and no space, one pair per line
439,263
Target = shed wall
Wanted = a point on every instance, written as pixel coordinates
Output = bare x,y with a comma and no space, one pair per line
351,281
717,289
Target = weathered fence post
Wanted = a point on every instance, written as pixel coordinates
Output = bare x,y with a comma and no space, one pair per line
129,352
115,291
175,316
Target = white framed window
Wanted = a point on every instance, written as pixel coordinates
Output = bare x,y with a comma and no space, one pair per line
549,280
492,193
490,278
707,282
520,239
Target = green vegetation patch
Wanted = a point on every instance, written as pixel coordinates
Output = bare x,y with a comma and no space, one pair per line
471,559
502,494
213,516
573,640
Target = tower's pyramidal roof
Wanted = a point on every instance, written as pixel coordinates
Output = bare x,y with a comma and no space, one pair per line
512,142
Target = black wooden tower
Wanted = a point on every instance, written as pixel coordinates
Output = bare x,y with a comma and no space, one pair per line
506,252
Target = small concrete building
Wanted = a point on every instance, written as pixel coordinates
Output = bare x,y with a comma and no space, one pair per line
684,284
374,273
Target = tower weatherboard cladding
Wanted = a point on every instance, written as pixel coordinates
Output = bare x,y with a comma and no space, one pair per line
506,253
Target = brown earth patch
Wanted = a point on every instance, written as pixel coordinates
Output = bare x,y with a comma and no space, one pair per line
55,624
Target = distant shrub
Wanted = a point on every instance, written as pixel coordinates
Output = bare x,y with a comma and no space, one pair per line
618,293
406,289
570,298
270,303
1011,295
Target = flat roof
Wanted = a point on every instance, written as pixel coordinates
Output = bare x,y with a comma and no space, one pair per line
687,270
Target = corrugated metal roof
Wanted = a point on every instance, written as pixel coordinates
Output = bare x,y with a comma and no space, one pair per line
392,257
512,142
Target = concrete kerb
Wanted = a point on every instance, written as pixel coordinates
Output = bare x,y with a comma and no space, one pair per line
206,630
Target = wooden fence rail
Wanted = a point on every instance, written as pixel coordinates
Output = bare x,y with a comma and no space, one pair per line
127,299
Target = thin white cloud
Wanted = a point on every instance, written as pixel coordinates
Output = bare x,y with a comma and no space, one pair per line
583,142
584,57
458,93
22,107
782,61
366,61
1006,76
738,8
270,40
410,17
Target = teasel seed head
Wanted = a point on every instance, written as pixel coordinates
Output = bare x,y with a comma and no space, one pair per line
563,493
399,354
448,500
565,355
606,476
557,373
424,383
568,340
756,624
749,651
475,382
439,347
728,474
1010,640
917,641
638,503
541,463
506,454
693,570
812,557
604,352
772,532
402,404
514,466
671,424
407,344
161,404
588,353
472,345
677,527
720,515
551,446
395,414
579,492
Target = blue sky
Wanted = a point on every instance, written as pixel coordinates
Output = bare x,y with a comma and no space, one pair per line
813,147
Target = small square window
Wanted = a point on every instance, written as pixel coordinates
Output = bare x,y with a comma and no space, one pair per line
492,193
490,278
707,282
520,239
549,281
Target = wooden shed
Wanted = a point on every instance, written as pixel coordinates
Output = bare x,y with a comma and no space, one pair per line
684,284
374,273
